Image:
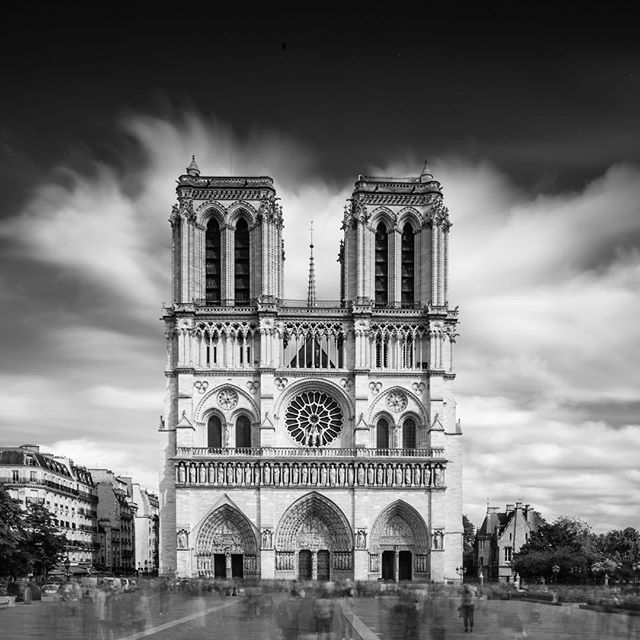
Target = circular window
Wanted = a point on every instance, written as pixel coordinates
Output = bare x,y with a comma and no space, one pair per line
313,418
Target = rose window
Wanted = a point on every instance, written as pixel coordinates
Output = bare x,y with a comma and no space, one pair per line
313,418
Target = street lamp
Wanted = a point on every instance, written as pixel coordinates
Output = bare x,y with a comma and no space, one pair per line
556,571
67,564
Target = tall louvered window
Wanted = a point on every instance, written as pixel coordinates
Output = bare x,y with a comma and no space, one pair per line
407,266
243,432
409,434
212,261
381,266
242,262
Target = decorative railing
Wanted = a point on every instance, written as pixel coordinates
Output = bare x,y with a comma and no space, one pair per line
305,452
352,628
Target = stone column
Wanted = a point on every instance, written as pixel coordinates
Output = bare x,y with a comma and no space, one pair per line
314,565
396,565
227,564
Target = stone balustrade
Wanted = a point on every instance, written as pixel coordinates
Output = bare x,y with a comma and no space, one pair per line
305,452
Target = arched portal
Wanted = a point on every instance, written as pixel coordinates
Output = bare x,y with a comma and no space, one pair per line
314,531
226,545
400,544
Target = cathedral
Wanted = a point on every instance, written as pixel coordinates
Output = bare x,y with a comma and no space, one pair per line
310,439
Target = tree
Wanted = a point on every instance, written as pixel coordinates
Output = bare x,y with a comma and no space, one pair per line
30,541
11,534
567,542
617,551
44,545
468,540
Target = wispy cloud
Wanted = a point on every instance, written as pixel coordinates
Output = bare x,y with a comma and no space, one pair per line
547,286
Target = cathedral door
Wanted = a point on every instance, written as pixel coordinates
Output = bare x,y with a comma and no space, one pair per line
323,565
404,565
305,571
219,566
388,565
237,570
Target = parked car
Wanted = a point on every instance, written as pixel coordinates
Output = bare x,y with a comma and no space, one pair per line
17,589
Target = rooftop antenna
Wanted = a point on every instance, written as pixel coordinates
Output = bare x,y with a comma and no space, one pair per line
311,292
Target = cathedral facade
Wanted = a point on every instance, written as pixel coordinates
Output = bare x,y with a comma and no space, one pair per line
310,439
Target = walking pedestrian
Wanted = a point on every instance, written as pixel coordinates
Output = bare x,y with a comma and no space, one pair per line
323,611
288,616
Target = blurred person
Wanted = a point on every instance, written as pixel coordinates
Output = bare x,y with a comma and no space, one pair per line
323,611
467,603
288,615
163,596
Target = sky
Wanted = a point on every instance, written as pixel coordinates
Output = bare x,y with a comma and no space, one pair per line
529,121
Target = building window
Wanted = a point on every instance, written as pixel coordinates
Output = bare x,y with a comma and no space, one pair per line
15,475
242,262
508,552
381,266
382,434
33,476
212,261
243,432
409,434
407,265
214,433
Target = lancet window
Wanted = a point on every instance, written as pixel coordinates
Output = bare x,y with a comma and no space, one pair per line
243,432
407,266
381,266
399,347
309,345
382,434
214,433
409,434
224,345
213,261
242,263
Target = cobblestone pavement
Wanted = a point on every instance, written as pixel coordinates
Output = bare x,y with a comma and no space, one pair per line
498,620
212,617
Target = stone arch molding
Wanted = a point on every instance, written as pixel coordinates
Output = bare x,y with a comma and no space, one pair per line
209,210
400,526
328,386
414,407
226,530
313,522
242,209
208,405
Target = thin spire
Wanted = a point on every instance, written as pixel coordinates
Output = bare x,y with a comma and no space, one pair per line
311,293
425,175
193,169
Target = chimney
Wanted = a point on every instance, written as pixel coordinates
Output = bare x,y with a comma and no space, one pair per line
509,508
34,448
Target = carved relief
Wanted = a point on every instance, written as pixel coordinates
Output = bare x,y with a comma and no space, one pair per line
182,539
396,401
280,383
201,386
375,387
361,539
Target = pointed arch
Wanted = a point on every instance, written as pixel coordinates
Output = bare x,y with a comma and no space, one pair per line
242,262
407,265
213,260
226,529
400,526
313,521
381,264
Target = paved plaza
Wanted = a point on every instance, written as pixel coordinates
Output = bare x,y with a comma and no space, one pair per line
228,618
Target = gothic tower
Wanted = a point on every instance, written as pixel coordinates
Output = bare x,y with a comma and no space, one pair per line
310,439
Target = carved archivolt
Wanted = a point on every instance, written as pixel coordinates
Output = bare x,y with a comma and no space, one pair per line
226,530
400,526
313,522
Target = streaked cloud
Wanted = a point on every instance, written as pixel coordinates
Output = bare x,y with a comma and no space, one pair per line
547,285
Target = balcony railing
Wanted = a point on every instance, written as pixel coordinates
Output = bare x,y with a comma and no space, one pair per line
304,452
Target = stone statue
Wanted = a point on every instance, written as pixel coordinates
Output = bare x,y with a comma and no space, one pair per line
351,472
182,539
182,474
266,474
323,474
407,475
416,475
295,474
341,475
398,476
380,475
389,475
314,474
332,475
247,473
230,477
220,473
266,539
304,473
192,474
285,474
239,474
370,475
438,475
276,474
361,539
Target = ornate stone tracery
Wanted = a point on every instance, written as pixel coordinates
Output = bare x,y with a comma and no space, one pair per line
400,526
313,418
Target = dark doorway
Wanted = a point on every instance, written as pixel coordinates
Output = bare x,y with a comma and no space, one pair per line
304,565
388,565
404,565
237,567
219,565
323,565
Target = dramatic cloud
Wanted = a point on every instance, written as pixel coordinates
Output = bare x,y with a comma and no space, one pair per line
547,286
